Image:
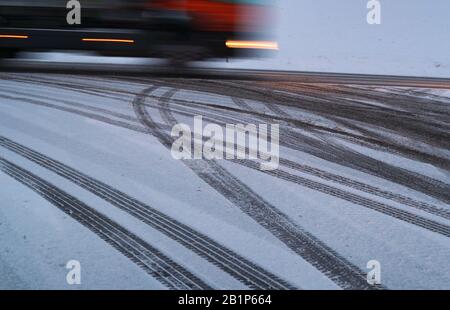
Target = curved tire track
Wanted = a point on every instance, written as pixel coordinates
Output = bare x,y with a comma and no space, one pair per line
330,263
292,165
335,153
237,266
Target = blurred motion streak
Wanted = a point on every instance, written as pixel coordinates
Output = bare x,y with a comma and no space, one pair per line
252,44
225,15
9,36
107,40
178,30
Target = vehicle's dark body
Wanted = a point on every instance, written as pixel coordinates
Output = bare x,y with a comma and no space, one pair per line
190,29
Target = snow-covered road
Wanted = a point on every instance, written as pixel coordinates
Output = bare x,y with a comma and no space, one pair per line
86,174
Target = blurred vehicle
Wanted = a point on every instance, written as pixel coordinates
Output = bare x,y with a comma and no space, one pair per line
179,30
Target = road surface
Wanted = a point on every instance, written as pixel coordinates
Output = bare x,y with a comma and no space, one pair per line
87,175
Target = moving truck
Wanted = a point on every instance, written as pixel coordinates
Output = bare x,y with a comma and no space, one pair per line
180,30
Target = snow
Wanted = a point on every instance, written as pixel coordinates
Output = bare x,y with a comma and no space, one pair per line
361,234
334,36
38,239
138,165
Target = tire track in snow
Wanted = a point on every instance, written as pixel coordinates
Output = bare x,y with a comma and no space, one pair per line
354,198
94,116
97,91
335,153
336,192
431,209
302,168
234,264
92,90
399,214
374,205
151,260
325,175
292,178
326,260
